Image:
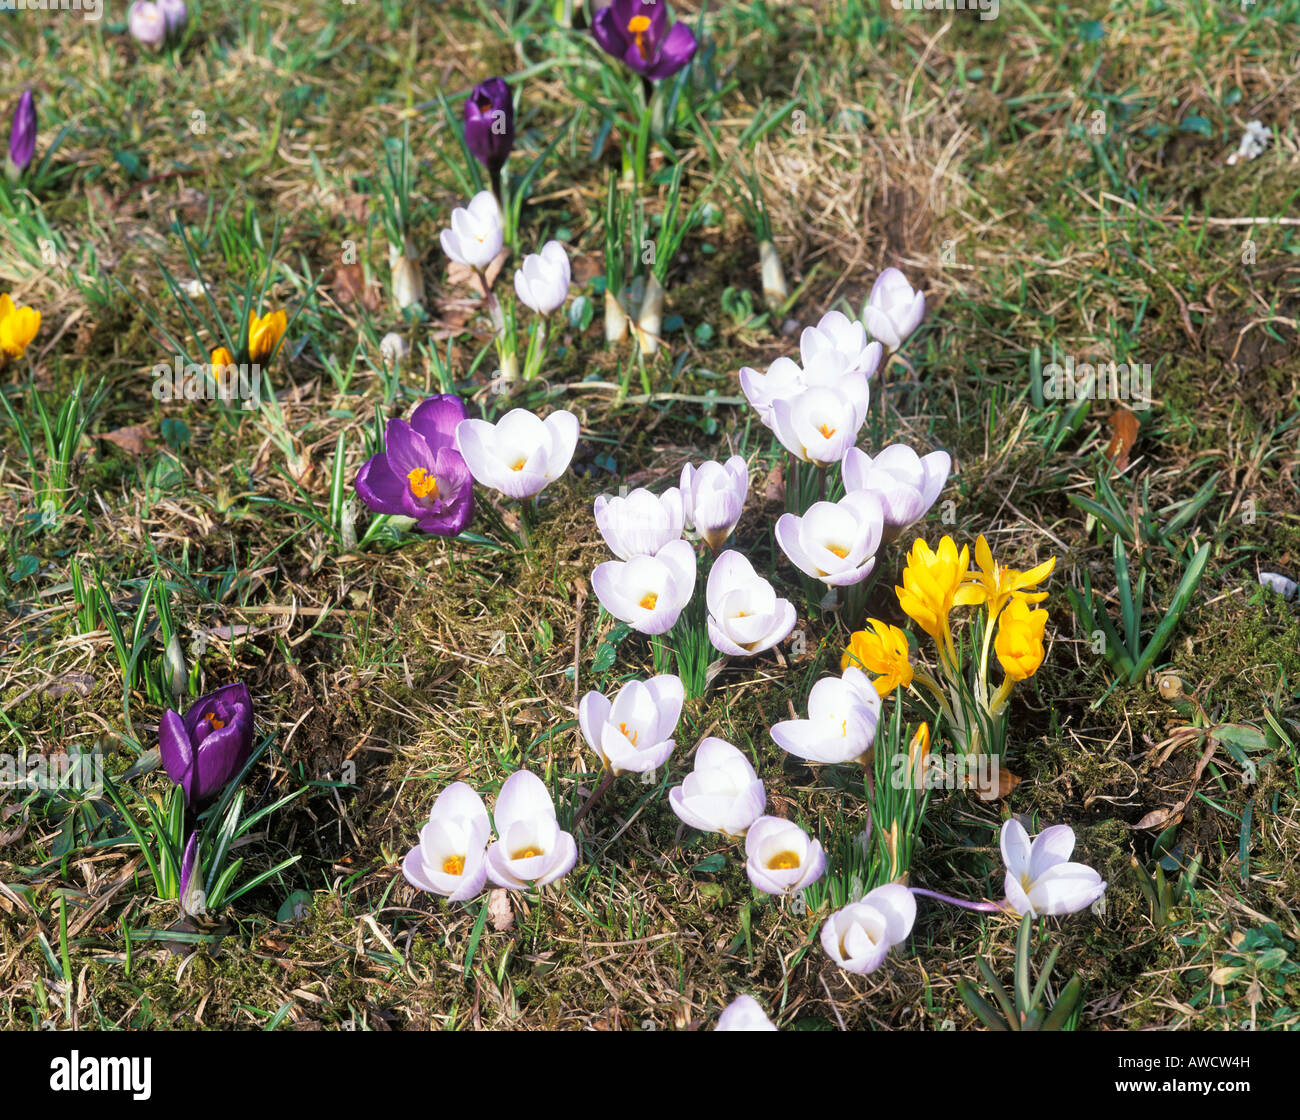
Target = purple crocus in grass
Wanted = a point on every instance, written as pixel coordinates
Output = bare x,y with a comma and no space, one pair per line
207,747
22,133
637,31
420,474
490,123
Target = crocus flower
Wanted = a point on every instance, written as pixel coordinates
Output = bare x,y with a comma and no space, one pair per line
713,498
882,649
641,523
530,848
207,747
18,326
521,454
147,24
637,32
264,334
420,474
835,542
836,332
22,133
820,425
745,616
893,309
782,381
744,1014
994,585
825,366
451,857
906,483
490,123
722,794
648,592
841,726
1040,879
543,282
782,857
476,235
859,936
930,584
633,734
175,14
1019,640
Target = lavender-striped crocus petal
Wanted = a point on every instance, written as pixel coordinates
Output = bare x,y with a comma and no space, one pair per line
22,134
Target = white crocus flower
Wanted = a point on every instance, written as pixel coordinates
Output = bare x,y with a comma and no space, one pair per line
450,858
713,498
906,483
820,424
745,616
542,283
744,1014
841,726
893,309
859,936
782,857
530,848
837,332
521,454
835,542
783,380
641,523
722,794
648,592
1040,879
633,734
476,236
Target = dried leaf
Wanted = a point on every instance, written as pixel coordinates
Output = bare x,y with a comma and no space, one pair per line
348,283
130,439
1124,425
774,488
1159,818
499,912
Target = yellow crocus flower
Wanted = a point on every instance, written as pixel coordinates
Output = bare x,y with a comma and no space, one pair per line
930,584
264,334
995,585
882,649
18,326
1019,644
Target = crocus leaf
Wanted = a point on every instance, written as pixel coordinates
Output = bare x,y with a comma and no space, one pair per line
980,1007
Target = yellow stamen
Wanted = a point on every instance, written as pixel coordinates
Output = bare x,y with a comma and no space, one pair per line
527,853
216,724
837,550
453,865
783,861
423,484
826,430
631,738
518,464
648,601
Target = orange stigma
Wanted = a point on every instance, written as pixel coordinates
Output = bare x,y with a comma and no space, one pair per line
826,430
453,865
637,26
423,484
213,722
631,738
648,601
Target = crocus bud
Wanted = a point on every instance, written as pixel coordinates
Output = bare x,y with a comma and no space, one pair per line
22,134
192,896
745,616
744,1014
906,483
782,858
264,334
893,309
521,454
722,794
490,123
543,282
530,849
206,748
648,592
476,235
147,24
1040,880
393,348
18,326
633,733
834,542
859,936
175,15
713,498
641,523
408,282
451,857
176,672
841,726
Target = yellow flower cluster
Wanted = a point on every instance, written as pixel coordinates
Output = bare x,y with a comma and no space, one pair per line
18,326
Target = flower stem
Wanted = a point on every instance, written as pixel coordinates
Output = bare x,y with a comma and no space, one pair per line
982,907
606,780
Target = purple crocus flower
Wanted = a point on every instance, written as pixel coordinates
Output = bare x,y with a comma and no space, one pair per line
490,123
22,134
637,31
420,474
208,746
